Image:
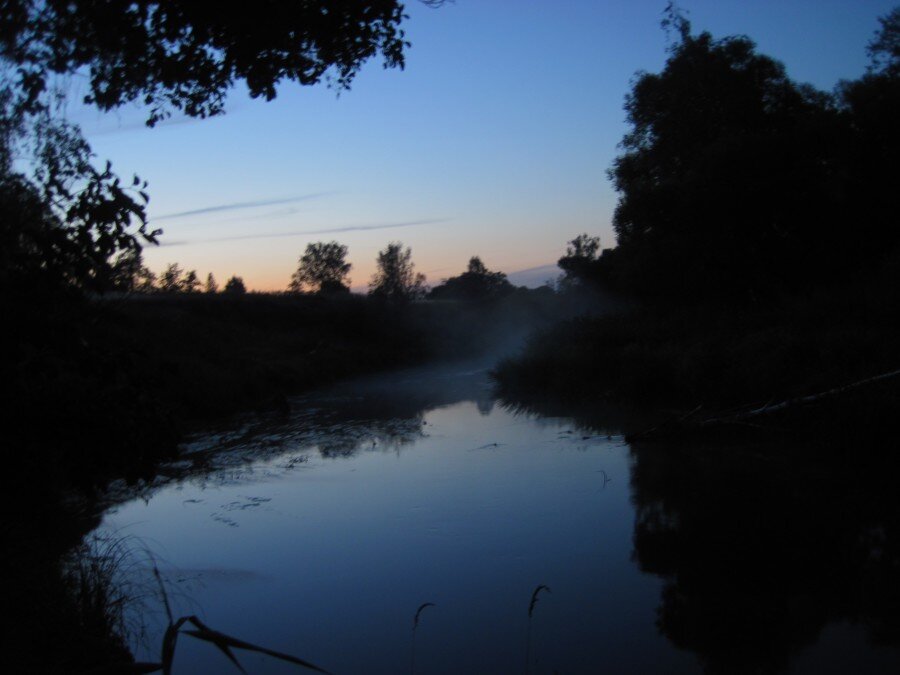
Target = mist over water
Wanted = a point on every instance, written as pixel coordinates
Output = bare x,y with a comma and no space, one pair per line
320,531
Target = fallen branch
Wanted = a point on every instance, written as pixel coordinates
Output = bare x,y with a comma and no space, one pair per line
686,425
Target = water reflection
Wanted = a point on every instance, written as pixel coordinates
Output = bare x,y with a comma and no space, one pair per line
381,413
761,550
342,513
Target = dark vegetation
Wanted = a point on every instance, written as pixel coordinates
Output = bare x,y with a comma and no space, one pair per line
323,268
757,241
121,379
101,389
693,354
395,279
85,373
477,283
105,388
756,237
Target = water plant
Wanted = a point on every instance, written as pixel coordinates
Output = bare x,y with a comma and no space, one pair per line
225,643
534,599
412,650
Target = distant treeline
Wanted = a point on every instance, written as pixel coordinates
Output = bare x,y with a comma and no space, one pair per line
323,270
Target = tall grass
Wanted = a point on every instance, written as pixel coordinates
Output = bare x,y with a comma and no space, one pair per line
224,643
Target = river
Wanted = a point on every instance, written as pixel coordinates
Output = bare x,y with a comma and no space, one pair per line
321,529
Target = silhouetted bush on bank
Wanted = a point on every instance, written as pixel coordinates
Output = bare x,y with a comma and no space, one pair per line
682,357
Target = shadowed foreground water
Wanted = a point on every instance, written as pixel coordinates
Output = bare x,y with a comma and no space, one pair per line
320,531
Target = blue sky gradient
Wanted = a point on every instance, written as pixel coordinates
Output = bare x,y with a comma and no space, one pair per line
494,141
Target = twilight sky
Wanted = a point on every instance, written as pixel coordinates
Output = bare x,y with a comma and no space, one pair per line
494,141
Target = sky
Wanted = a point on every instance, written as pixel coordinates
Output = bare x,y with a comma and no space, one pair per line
495,140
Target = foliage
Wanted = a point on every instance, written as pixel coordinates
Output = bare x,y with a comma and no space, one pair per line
884,49
127,271
730,177
396,279
580,261
323,268
186,56
683,356
211,286
175,280
235,286
738,184
476,283
170,279
62,220
871,105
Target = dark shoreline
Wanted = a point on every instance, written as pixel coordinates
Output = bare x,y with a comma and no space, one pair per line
105,389
708,361
132,376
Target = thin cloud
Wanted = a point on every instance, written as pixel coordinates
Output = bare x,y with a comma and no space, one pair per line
137,121
301,233
239,205
140,125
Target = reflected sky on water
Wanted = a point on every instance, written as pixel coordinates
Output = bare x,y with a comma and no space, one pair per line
320,530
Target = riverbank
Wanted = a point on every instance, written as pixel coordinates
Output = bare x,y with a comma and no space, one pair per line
105,389
676,359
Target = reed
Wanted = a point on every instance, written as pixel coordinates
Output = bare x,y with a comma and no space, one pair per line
412,649
224,643
534,599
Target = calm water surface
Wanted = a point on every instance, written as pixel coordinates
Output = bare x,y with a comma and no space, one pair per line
321,530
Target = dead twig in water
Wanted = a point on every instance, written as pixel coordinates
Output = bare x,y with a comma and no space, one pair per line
746,416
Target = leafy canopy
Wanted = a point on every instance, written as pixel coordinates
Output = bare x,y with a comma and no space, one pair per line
235,286
476,283
185,55
323,268
62,220
579,264
731,177
395,278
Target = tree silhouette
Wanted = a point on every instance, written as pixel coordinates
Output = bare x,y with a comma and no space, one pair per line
125,271
171,278
579,264
323,268
145,281
186,56
169,56
63,221
730,177
872,107
395,278
235,286
211,286
175,280
190,283
476,283
884,49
